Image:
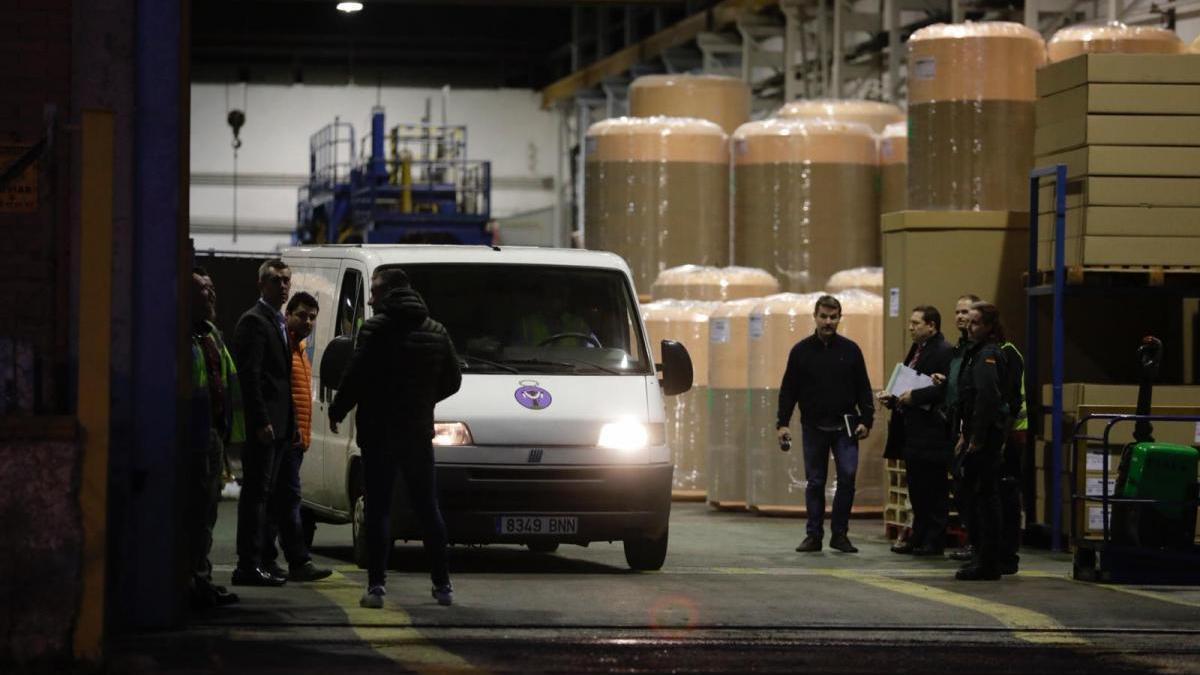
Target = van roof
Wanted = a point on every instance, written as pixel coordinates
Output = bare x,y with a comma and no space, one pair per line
375,255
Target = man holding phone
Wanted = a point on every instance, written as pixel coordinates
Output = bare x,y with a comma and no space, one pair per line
827,377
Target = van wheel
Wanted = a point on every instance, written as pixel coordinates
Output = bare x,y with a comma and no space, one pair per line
646,554
359,531
308,526
543,546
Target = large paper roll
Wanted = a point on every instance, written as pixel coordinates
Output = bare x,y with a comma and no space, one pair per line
657,193
716,98
1113,37
697,282
805,199
874,114
728,378
862,278
893,168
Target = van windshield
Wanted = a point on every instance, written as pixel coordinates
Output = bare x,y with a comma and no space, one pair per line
535,318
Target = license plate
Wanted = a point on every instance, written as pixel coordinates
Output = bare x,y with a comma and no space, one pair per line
537,525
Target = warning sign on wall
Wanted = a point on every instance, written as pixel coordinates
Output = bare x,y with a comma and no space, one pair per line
20,194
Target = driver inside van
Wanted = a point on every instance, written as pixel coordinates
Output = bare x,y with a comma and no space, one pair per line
548,321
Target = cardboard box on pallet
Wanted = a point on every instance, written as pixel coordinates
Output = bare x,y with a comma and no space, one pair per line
1118,69
933,257
1117,99
1115,221
1137,251
1148,130
1123,191
1127,160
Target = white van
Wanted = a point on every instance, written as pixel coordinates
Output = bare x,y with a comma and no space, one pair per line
557,434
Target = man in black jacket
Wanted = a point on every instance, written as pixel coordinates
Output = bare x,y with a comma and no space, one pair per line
827,376
984,421
264,362
403,364
920,434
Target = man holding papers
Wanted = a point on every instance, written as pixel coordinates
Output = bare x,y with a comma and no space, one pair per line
919,430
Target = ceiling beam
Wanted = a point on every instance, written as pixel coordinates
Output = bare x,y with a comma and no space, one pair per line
715,18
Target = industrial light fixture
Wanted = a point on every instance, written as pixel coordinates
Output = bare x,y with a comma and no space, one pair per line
349,7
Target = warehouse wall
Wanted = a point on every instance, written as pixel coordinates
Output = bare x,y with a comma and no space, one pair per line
506,126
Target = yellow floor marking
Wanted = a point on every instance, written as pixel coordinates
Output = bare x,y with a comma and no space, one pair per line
1027,624
406,646
1153,595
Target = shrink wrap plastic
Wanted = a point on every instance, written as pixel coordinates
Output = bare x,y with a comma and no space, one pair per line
697,282
776,479
687,423
862,321
1113,37
657,193
874,114
729,398
893,168
716,98
863,278
971,93
805,199
1195,48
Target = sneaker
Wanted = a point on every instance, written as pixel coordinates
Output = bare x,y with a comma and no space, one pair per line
308,572
444,595
810,544
842,543
373,598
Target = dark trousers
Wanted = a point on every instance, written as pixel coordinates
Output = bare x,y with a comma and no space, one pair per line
929,492
283,513
203,495
817,446
260,466
1010,497
980,483
414,463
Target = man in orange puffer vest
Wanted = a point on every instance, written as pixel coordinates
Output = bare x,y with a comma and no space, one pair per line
301,316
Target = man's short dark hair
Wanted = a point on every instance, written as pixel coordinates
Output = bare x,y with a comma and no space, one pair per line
930,314
828,302
969,297
302,298
200,271
272,264
989,314
391,278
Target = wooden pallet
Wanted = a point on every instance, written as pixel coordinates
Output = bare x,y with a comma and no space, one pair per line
1124,275
688,495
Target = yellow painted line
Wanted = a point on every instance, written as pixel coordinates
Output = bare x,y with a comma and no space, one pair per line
1153,595
378,629
1026,624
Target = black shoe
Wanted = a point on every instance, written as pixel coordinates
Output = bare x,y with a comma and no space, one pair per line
1008,568
810,544
223,596
256,577
842,543
308,572
275,570
904,548
978,573
927,551
963,554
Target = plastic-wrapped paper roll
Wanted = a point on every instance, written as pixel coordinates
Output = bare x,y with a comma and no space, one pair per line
687,424
775,480
697,282
862,278
1195,48
874,114
1113,37
728,383
971,93
805,199
862,321
893,168
716,98
657,193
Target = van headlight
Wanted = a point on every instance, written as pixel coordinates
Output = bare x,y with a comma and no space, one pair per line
451,433
625,435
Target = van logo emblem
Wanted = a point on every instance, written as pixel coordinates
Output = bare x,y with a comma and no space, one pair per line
532,397
535,456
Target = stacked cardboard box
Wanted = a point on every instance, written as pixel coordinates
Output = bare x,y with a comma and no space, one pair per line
1088,470
1128,128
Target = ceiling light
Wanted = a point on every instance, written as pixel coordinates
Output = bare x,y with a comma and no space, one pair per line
349,7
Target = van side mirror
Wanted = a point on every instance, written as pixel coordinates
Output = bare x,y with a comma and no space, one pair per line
676,368
335,360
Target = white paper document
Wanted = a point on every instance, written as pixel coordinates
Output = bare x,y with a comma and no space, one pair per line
905,379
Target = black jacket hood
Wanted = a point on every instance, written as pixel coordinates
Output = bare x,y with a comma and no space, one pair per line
404,305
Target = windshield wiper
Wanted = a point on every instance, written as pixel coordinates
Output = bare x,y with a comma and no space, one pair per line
597,366
574,365
475,359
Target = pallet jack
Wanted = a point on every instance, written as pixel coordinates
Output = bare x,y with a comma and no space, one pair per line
1149,524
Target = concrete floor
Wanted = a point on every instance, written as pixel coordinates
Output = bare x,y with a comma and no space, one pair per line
733,597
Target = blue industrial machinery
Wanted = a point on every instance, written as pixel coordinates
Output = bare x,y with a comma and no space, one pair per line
415,186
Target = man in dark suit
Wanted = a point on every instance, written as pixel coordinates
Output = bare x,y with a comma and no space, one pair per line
264,361
919,432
